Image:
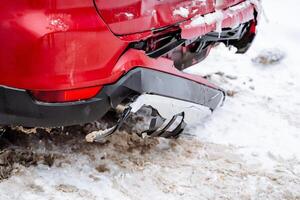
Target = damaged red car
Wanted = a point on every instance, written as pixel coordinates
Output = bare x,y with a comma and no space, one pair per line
70,62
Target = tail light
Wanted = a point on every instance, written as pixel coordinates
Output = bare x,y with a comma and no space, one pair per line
253,27
62,96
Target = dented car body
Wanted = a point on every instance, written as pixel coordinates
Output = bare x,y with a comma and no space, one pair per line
70,62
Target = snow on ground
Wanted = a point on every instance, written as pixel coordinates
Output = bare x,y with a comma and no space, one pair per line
127,167
263,118
248,149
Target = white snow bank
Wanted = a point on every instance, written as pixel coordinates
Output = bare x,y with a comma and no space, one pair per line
263,119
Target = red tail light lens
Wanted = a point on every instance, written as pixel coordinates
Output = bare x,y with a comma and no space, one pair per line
62,96
253,27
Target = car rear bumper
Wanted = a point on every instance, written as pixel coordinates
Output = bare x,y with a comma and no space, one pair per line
18,108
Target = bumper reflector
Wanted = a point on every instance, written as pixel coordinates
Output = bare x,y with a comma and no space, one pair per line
62,96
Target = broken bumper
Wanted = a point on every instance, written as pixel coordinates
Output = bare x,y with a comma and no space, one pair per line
18,108
231,17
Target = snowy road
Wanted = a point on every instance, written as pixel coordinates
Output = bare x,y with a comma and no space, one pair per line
248,149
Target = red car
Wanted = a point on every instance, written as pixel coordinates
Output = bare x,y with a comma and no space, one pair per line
65,62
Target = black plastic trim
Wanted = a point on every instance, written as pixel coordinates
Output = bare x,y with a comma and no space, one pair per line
18,108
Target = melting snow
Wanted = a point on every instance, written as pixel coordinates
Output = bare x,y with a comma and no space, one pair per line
183,12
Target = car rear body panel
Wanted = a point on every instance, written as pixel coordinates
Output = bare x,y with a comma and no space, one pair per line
134,16
66,41
55,45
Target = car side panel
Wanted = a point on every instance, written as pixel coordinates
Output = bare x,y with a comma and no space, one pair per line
55,45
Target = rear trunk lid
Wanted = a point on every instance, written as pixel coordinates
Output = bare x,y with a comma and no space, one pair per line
134,16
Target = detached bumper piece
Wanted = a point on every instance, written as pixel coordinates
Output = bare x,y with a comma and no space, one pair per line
161,127
154,125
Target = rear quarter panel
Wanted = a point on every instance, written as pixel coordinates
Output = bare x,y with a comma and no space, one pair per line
55,44
133,16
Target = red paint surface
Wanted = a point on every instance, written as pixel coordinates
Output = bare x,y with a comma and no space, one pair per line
39,53
133,58
134,16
